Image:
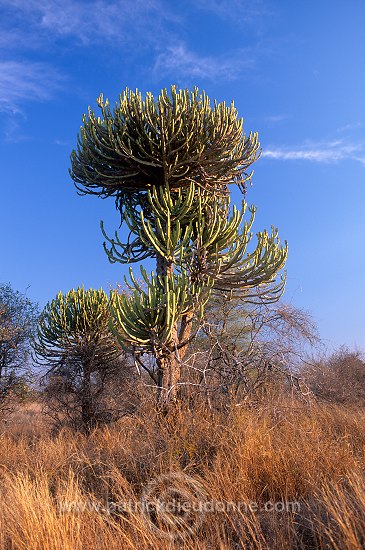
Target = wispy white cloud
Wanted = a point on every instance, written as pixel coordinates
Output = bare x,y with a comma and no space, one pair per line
12,131
179,61
330,151
95,20
239,10
350,126
45,26
16,38
135,24
26,81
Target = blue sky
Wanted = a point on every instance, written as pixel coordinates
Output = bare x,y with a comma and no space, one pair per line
296,73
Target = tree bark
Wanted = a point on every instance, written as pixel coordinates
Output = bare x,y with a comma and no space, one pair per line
168,379
87,405
169,364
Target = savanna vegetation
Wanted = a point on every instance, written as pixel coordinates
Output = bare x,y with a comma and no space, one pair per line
190,408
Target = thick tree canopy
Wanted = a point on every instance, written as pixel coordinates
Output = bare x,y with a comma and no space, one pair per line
75,325
173,140
18,320
77,348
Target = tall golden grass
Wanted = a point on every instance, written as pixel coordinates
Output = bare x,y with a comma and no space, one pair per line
281,475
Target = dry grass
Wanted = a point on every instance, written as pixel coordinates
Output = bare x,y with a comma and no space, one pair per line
56,491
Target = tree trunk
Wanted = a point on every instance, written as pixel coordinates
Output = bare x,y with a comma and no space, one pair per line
169,365
168,379
87,405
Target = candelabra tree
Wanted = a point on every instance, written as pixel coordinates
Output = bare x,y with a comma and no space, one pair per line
168,162
75,344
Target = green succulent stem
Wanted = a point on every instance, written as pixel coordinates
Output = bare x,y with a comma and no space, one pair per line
169,162
74,336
